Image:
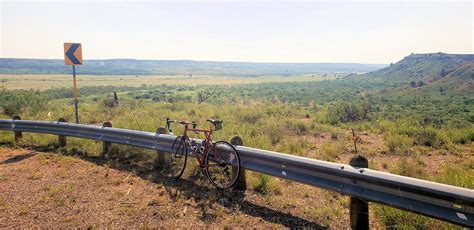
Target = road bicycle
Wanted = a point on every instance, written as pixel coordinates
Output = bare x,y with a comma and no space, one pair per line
219,159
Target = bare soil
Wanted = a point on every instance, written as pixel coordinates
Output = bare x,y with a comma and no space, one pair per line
47,190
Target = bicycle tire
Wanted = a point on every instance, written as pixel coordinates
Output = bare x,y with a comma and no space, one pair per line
178,158
213,168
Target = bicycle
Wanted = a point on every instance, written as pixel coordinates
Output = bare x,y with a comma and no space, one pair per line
219,159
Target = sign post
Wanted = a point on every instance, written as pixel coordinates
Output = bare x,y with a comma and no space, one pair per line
73,56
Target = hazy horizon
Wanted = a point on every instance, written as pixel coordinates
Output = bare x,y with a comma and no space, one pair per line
261,32
257,62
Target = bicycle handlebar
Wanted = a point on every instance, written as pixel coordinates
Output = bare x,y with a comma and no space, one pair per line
217,124
182,122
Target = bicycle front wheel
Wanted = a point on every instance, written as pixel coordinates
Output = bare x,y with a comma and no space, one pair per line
178,158
222,165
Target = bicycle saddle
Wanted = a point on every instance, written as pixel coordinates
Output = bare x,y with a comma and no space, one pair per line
184,122
215,121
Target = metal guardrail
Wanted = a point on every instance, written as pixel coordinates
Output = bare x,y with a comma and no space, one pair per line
445,202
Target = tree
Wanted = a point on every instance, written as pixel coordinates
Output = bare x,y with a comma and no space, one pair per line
205,95
420,83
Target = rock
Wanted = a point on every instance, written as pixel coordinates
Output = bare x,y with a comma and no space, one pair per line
224,201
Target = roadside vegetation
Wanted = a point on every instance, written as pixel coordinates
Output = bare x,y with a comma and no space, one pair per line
414,132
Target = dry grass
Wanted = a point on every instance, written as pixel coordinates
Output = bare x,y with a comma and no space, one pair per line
41,193
42,82
125,192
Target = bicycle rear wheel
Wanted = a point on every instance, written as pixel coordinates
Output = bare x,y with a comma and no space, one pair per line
178,158
222,165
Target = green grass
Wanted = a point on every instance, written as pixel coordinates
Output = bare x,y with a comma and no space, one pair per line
398,143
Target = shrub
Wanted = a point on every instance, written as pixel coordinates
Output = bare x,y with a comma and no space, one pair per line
11,107
274,131
348,112
398,143
108,102
13,102
267,185
298,127
294,146
249,116
460,136
394,218
457,176
410,168
428,137
332,150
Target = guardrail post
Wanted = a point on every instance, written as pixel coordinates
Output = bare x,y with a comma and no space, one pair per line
359,209
161,158
17,134
241,183
62,139
106,144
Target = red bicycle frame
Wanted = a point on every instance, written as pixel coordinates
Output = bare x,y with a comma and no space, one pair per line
208,138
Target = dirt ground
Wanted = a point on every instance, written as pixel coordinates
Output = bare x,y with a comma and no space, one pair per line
47,190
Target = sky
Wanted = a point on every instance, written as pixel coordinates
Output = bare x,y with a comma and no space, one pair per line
256,31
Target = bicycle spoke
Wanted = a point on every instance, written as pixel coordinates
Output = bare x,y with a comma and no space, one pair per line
177,161
222,165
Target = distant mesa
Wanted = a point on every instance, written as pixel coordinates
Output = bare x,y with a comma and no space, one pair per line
177,67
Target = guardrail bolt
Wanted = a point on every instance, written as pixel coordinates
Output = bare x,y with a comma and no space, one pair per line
106,145
241,183
160,160
18,134
359,209
62,139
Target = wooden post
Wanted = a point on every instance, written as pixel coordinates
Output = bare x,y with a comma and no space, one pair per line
116,99
18,134
359,209
62,139
160,160
106,144
241,183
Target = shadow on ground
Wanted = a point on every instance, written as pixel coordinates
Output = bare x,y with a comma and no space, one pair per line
233,200
19,158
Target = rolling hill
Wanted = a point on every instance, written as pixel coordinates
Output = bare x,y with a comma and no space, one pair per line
176,67
422,66
464,71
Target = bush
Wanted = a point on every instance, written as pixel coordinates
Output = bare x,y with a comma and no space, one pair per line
14,102
398,143
250,116
266,185
410,168
294,146
460,136
275,132
332,150
298,127
457,176
429,137
108,102
348,112
11,107
394,218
